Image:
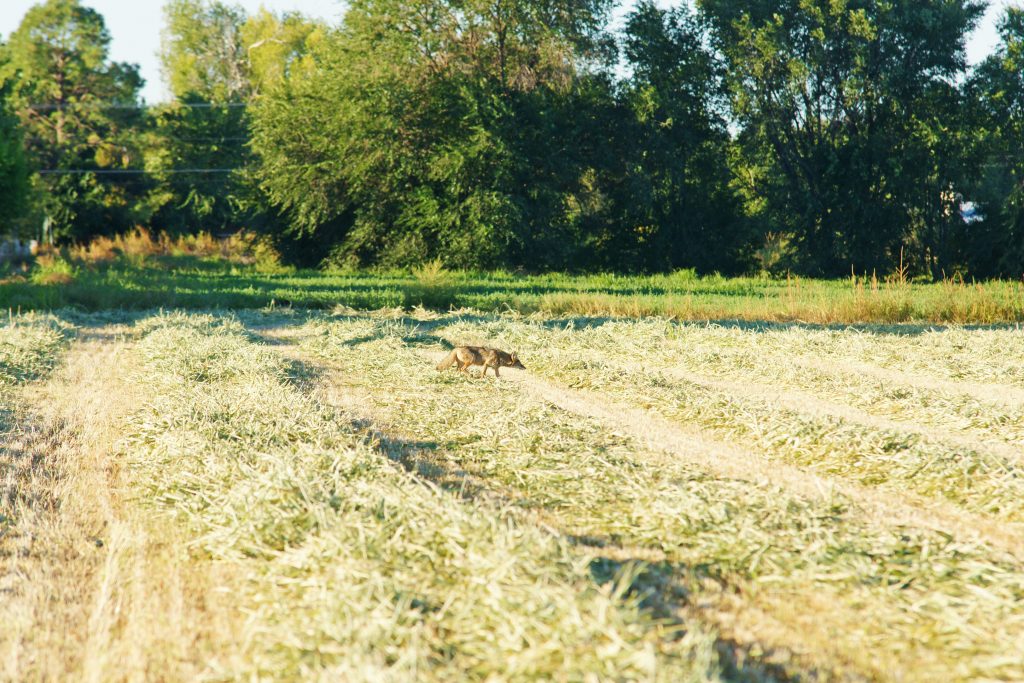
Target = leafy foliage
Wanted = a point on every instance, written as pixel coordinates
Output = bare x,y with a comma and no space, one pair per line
849,122
998,85
675,197
806,136
216,60
427,132
14,176
76,107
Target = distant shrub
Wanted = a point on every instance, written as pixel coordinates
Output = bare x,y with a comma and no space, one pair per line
433,286
53,269
776,256
140,244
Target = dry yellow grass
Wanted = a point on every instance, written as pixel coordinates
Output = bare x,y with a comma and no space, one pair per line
140,243
95,590
901,599
280,497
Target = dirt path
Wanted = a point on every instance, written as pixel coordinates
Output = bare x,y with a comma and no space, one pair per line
699,447
1000,393
813,406
92,590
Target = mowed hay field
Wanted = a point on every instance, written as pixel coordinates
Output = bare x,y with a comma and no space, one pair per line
302,496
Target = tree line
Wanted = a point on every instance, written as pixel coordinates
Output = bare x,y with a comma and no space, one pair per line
820,137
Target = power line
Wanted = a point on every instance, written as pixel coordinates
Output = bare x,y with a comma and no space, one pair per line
132,171
227,138
100,105
224,138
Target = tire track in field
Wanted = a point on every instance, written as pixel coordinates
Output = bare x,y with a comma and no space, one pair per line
103,595
808,404
701,448
770,652
66,525
985,393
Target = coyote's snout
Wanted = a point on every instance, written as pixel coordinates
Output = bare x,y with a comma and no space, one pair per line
464,356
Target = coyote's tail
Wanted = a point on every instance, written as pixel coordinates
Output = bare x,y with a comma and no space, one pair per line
448,361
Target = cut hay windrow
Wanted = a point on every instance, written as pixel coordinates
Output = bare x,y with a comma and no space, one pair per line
351,567
955,353
610,359
30,346
828,363
814,576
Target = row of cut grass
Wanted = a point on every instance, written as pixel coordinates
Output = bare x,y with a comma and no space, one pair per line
901,603
30,346
955,353
351,568
972,478
808,360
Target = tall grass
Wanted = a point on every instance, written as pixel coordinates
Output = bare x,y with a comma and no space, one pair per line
432,286
141,271
140,244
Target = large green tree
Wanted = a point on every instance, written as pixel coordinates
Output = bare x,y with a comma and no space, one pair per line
440,129
996,245
79,112
216,60
14,186
202,50
674,207
849,120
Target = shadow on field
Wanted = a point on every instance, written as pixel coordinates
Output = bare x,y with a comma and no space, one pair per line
425,459
658,587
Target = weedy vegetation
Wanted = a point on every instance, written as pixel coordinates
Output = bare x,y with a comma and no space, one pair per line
143,271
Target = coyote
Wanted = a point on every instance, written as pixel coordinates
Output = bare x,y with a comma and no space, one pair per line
464,356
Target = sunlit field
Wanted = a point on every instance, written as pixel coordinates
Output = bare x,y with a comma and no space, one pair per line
285,494
754,270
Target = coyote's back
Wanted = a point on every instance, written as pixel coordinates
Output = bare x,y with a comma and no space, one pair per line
465,356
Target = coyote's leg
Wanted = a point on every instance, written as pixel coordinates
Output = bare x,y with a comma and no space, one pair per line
483,373
496,371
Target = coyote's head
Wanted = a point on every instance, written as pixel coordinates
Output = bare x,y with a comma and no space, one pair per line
513,361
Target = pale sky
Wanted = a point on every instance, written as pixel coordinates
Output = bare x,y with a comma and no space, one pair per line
135,25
